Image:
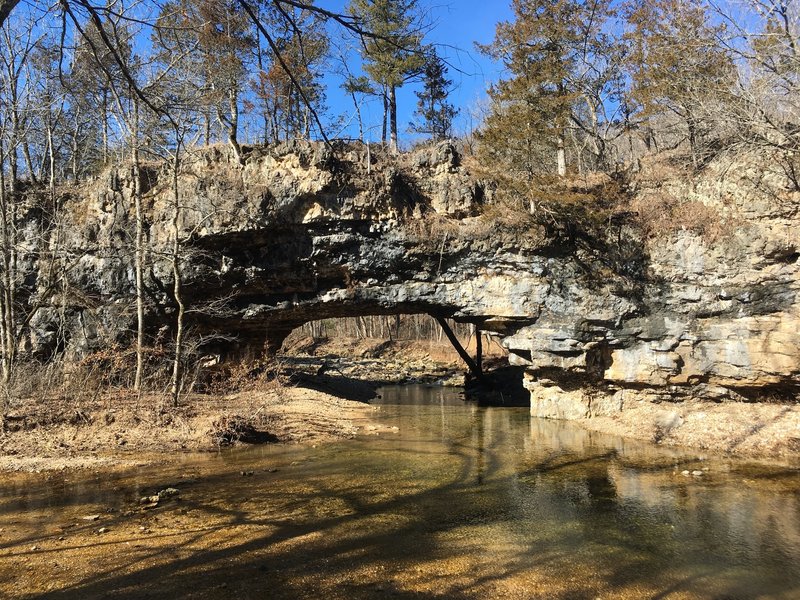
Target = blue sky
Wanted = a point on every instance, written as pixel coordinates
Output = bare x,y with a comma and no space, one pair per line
457,24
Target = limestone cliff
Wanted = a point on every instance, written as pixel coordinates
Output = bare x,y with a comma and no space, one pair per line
303,232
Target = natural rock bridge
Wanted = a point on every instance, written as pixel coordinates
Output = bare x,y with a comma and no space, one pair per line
303,232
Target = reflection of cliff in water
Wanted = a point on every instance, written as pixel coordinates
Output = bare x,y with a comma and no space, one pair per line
460,501
613,493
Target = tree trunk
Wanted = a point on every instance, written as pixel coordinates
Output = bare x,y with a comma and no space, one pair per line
393,118
15,127
6,305
650,140
260,91
138,253
561,157
358,116
26,152
363,333
74,147
233,128
52,165
177,290
13,169
385,116
105,128
692,127
6,370
207,127
598,140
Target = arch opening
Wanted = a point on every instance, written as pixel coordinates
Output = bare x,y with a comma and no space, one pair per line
426,341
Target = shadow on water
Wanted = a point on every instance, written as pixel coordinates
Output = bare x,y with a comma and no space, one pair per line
499,387
464,502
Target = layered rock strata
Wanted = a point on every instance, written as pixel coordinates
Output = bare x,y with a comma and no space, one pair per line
303,232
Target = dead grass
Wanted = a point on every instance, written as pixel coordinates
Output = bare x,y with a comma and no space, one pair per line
85,414
124,429
432,228
660,214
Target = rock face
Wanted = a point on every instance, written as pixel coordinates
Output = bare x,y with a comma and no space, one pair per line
718,318
304,232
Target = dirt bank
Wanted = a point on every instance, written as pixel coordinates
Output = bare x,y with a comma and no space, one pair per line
321,393
758,430
117,430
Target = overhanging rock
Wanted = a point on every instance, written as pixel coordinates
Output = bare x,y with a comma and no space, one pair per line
304,232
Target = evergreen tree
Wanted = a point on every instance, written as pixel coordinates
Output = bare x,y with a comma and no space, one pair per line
435,114
392,50
287,102
552,54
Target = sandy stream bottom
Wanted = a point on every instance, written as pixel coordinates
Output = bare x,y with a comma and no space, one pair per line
445,502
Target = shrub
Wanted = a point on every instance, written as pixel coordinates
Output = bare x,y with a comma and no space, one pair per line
660,214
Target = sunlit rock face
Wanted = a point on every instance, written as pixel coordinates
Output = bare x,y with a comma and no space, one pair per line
304,232
718,318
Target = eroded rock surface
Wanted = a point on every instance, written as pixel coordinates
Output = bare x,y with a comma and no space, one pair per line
718,319
304,232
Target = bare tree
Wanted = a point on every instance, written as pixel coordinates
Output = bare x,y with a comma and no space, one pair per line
15,50
109,52
299,34
766,109
677,66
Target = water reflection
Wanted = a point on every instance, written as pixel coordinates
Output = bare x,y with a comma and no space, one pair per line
734,529
463,502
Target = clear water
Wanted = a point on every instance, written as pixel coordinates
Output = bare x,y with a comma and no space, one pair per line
459,502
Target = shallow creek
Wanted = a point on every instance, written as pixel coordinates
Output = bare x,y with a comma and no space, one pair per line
458,502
